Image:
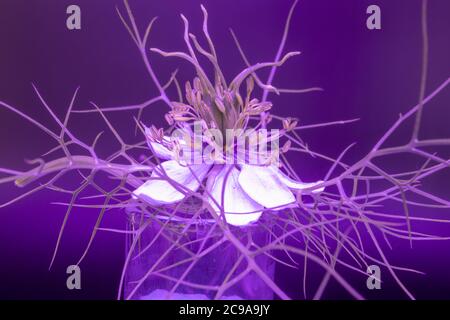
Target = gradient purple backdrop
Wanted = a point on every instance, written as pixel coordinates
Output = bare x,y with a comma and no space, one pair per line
371,75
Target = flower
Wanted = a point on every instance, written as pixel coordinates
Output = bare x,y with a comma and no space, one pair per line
238,190
242,191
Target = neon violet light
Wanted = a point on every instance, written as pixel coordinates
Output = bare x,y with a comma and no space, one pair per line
220,191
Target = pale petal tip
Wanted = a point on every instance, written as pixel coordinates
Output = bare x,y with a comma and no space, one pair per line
242,219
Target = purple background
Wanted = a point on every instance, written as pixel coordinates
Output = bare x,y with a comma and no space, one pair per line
372,75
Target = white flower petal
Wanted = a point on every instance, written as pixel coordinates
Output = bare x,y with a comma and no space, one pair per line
160,150
293,184
264,186
239,209
242,219
159,191
188,154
